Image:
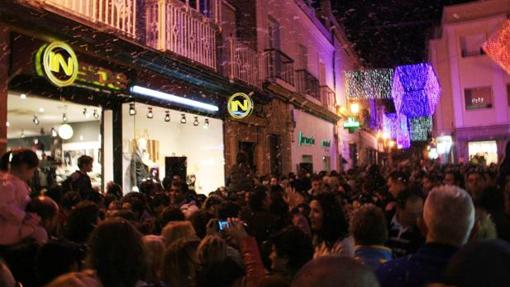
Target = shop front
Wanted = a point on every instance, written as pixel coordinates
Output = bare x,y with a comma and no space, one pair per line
313,146
55,103
483,151
59,132
485,144
161,142
63,103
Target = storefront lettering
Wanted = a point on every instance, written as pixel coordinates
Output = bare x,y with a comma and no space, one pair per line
58,63
305,140
326,143
101,77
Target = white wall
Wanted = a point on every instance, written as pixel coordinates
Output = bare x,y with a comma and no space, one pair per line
296,28
457,73
202,147
320,130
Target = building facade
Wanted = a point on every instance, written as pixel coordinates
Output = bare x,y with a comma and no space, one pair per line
149,98
474,111
301,64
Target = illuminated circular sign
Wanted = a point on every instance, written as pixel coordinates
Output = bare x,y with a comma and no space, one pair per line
240,106
58,62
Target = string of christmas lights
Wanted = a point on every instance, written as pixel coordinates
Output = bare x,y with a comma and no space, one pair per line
415,90
497,47
396,126
420,128
369,84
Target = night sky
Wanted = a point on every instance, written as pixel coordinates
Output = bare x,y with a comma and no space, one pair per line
386,33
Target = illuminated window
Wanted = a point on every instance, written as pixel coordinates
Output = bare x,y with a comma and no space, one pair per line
478,98
471,45
487,150
508,93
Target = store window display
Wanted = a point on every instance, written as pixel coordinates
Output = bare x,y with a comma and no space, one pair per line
143,159
187,148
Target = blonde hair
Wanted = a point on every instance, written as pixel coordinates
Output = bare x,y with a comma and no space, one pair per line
212,249
154,253
176,230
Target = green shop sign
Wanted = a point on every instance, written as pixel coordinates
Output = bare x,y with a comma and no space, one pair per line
352,125
326,143
305,140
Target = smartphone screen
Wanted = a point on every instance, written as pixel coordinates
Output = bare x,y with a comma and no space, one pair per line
222,224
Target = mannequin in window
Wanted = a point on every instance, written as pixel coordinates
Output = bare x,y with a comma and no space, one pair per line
139,163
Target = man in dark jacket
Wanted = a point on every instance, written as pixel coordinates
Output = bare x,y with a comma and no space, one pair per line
79,180
241,177
448,218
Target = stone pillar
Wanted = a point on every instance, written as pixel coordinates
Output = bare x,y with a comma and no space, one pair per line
4,84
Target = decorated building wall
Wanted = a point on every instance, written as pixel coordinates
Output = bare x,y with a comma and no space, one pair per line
312,142
474,107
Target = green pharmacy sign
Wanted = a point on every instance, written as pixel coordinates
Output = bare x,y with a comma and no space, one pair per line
305,140
352,125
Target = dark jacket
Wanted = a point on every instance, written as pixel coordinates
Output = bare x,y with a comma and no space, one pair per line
373,256
426,266
80,181
241,179
403,241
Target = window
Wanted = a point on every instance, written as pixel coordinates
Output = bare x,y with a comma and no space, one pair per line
273,34
471,45
322,73
204,6
303,57
483,150
508,94
478,98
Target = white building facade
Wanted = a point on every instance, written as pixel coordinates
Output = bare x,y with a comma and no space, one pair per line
474,106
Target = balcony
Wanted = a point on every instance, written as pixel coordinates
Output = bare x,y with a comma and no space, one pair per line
279,66
173,26
117,14
308,84
241,62
328,98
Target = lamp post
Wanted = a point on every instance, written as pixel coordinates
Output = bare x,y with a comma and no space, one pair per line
355,108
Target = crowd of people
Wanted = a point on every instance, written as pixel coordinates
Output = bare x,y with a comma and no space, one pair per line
409,224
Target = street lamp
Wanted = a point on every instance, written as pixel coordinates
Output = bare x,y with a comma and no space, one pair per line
355,108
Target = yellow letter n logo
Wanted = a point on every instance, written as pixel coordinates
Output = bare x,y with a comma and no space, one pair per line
57,60
240,105
236,104
59,63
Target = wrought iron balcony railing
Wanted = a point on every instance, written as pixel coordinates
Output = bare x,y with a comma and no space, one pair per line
308,84
328,98
279,66
117,14
173,26
241,62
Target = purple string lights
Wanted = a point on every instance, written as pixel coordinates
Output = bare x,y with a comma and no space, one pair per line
396,126
415,90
